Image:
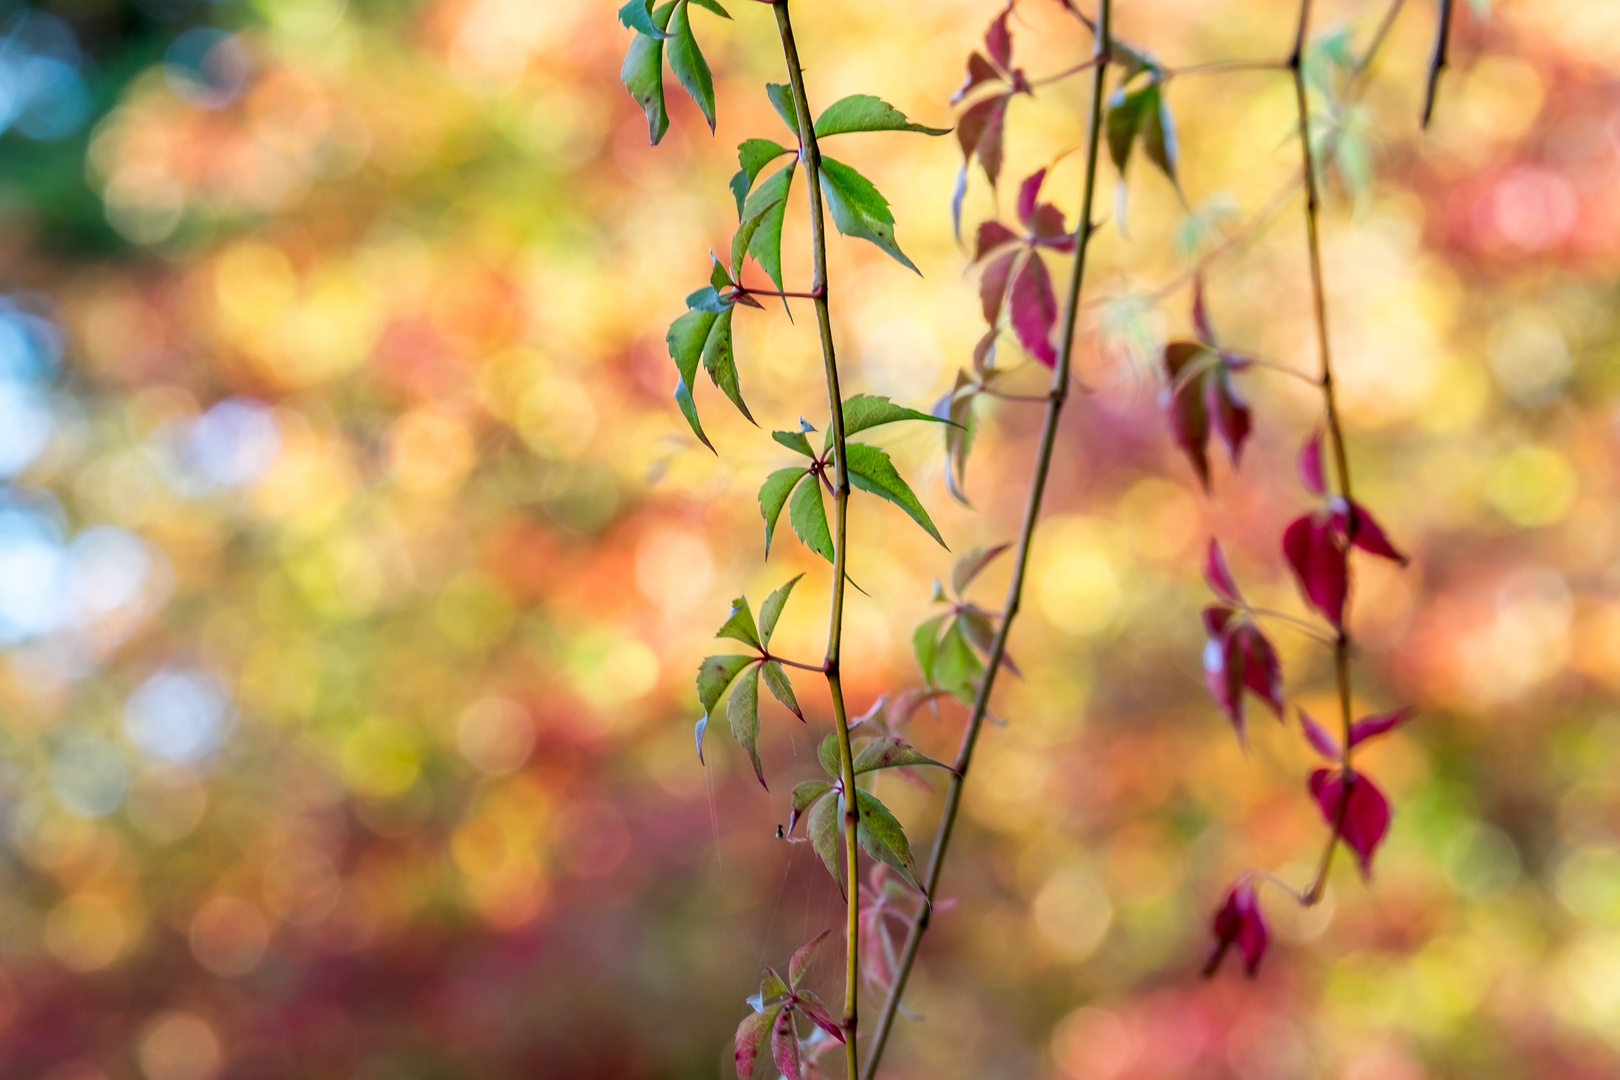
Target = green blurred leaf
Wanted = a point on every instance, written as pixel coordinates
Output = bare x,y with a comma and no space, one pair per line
871,470
1159,133
739,625
958,407
766,245
752,157
722,365
685,339
865,411
1125,115
858,209
925,645
957,668
772,985
715,674
781,95
891,752
795,441
643,72
776,681
822,826
809,519
827,755
882,837
771,609
773,495
638,16
686,61
863,112
742,711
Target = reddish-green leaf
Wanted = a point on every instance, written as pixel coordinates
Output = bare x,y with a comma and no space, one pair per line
881,836
804,957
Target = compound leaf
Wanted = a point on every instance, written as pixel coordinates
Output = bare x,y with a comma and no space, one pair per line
871,470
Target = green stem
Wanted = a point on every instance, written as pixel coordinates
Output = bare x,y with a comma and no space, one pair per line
1056,398
1341,643
810,155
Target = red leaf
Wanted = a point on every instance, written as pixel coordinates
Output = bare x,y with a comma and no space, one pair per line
1318,737
998,41
785,1046
1262,672
1200,314
1363,530
981,131
1028,192
1228,411
979,72
1310,464
1219,575
993,286
1189,417
992,234
818,1015
1034,309
1359,812
751,1035
1049,230
1240,922
1223,667
1369,726
1313,551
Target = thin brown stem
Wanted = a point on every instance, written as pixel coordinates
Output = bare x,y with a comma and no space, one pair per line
1379,37
1341,644
1437,59
1047,80
795,664
810,155
1309,629
1222,67
1282,369
1085,229
749,290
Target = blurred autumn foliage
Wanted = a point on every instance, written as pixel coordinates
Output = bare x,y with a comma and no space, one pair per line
355,562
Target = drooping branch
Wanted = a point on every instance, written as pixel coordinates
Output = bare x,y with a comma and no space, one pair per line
1056,399
810,155
1437,59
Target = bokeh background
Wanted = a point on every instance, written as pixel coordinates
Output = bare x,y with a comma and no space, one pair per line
354,560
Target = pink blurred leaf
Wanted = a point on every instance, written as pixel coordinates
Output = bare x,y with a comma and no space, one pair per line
979,72
1317,736
1355,808
817,1013
998,40
981,131
1219,575
1239,921
1262,671
1223,676
785,1046
750,1041
1034,309
1370,726
1363,530
993,285
804,957
1028,192
1189,415
1310,464
1049,230
991,235
1200,313
1228,410
1314,552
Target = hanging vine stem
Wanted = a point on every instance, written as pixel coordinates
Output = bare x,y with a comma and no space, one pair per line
810,155
1330,404
1056,398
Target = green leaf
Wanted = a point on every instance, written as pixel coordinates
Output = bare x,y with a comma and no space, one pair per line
957,668
827,755
687,62
804,957
1159,133
739,625
715,674
871,470
713,6
863,112
773,495
708,298
721,364
643,72
781,95
883,838
776,681
685,340
752,157
869,411
1124,120
742,711
771,609
968,566
806,794
823,829
744,236
859,210
809,519
925,645
766,246
890,752
795,441
772,985
752,1035
637,15
718,278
